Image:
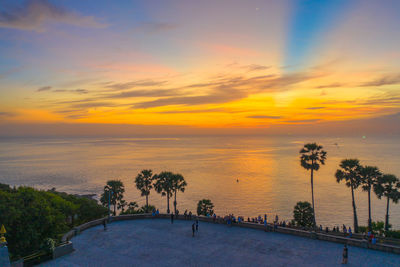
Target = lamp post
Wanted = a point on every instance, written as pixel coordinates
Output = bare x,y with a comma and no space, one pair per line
110,192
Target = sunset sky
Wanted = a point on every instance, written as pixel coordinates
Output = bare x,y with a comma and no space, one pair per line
200,64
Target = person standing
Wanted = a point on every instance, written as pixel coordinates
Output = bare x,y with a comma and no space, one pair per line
193,230
172,218
104,225
345,254
197,225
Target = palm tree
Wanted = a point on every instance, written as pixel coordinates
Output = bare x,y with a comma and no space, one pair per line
114,190
368,177
144,182
350,172
311,157
163,185
178,184
388,185
121,205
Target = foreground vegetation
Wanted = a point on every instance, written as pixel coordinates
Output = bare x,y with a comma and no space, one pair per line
33,216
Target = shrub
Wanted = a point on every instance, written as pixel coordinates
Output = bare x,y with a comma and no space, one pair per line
393,234
33,216
303,214
49,245
204,207
362,229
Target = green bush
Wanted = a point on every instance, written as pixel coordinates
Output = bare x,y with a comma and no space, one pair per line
362,229
303,214
204,207
133,208
32,216
377,227
393,234
49,245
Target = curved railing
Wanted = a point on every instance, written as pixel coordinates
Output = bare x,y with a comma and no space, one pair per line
358,242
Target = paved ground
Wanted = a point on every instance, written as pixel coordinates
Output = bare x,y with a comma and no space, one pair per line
158,243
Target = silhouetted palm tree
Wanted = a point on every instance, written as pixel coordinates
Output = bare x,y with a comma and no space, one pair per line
115,191
163,185
121,205
388,185
178,184
350,172
144,182
368,177
311,157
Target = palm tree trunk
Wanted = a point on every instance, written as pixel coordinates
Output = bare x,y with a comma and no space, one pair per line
369,210
147,203
175,203
354,211
312,192
168,202
387,216
115,209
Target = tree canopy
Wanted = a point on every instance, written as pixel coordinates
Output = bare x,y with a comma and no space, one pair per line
114,190
32,216
204,207
303,214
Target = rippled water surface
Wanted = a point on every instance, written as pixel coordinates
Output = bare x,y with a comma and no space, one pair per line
271,179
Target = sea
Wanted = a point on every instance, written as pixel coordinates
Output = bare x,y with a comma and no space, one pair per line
241,175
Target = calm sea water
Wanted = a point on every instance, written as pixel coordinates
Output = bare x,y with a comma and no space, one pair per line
271,179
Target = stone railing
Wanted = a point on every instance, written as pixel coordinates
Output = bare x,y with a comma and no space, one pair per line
358,242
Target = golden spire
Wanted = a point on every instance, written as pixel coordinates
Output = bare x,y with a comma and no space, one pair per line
2,232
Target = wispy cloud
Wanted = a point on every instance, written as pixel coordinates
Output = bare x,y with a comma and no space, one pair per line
219,90
384,80
92,105
214,98
145,93
228,89
313,108
264,117
34,14
49,88
78,91
196,111
332,85
303,121
133,84
255,67
156,27
44,88
5,114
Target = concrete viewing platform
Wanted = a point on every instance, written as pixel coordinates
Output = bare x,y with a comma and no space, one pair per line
157,242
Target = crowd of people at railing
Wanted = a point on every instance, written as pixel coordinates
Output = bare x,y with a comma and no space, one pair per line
231,219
